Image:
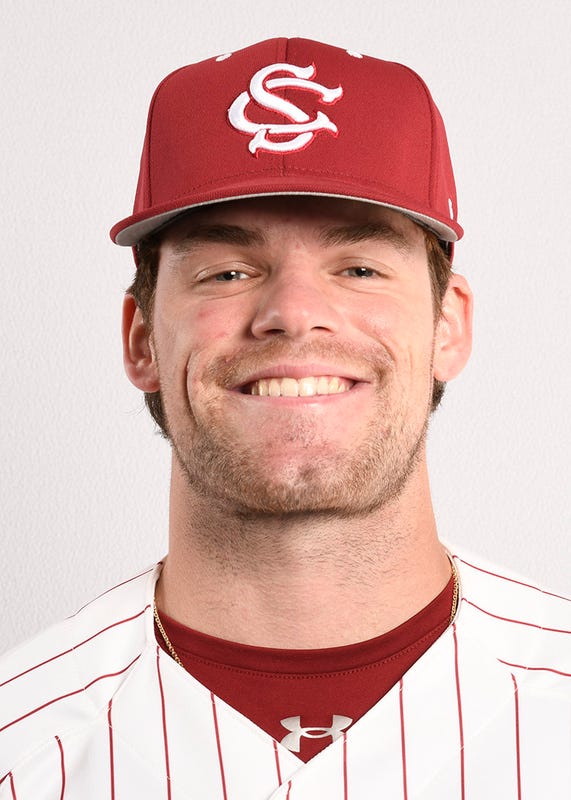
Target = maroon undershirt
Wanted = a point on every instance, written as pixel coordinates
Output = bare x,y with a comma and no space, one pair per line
268,685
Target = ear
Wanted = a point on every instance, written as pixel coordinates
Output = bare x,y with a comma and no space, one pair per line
138,354
453,341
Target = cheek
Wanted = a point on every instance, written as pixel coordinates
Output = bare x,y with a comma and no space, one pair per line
186,334
404,327
211,323
210,331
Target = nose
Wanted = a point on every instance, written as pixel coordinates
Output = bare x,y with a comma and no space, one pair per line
295,304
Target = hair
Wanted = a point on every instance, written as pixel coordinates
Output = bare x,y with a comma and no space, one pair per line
142,289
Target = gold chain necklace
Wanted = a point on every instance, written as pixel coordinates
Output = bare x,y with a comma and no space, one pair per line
174,654
455,591
163,633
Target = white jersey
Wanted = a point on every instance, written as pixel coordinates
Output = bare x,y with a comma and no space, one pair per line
93,708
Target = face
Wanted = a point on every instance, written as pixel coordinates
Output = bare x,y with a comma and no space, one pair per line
294,341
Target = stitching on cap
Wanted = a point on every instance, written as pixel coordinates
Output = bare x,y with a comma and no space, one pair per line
336,174
430,102
149,136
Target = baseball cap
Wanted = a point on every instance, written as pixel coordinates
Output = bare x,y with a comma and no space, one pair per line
293,116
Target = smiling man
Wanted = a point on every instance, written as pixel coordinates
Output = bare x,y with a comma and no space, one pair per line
292,322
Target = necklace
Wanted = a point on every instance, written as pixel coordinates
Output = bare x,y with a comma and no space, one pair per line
174,654
163,633
455,591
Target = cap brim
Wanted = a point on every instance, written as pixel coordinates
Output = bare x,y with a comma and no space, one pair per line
132,230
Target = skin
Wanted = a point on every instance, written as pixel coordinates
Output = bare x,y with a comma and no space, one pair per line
298,522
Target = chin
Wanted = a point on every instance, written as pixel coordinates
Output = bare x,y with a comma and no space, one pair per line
342,487
301,471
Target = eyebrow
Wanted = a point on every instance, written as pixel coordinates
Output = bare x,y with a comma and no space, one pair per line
329,235
218,234
366,231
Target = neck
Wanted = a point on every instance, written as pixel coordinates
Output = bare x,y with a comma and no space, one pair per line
305,581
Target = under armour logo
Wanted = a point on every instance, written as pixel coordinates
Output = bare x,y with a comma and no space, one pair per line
301,128
292,741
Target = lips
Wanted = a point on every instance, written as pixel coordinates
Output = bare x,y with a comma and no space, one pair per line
307,386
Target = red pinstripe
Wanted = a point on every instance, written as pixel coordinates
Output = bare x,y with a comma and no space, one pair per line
277,757
403,742
62,763
345,781
164,716
460,721
75,647
288,790
12,787
218,745
517,751
70,694
123,583
512,580
535,669
111,756
515,621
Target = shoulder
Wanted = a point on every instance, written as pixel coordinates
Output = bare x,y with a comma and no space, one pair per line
525,626
65,677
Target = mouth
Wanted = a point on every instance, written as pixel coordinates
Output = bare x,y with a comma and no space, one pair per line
288,386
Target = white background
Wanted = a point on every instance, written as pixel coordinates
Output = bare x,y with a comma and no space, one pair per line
83,477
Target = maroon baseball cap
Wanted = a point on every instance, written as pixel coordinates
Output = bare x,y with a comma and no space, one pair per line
293,116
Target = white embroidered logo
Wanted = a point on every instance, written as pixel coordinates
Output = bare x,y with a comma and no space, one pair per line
292,741
301,127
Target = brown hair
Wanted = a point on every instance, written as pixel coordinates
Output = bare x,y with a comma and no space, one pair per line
144,283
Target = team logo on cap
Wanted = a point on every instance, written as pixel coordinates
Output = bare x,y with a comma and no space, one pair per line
301,129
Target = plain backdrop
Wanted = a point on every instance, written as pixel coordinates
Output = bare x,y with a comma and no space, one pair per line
83,475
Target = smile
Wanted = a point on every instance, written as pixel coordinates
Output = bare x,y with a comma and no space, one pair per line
302,387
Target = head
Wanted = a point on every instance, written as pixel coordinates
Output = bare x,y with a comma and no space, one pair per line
144,284
304,152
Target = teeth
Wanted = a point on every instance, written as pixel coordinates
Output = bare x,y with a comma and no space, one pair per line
289,388
304,387
307,387
274,389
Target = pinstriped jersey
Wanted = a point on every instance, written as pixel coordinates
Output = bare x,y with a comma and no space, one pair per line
93,708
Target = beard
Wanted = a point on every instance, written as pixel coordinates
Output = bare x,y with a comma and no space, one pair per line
238,476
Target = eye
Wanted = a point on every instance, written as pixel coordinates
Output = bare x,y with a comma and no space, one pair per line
360,272
231,275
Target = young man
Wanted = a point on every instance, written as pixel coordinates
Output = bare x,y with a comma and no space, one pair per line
292,323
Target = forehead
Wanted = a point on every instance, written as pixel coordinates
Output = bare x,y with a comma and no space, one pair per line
317,216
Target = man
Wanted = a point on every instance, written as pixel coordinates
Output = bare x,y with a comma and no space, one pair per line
292,323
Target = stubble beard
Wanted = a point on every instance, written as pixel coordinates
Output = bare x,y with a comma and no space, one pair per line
237,478
352,485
